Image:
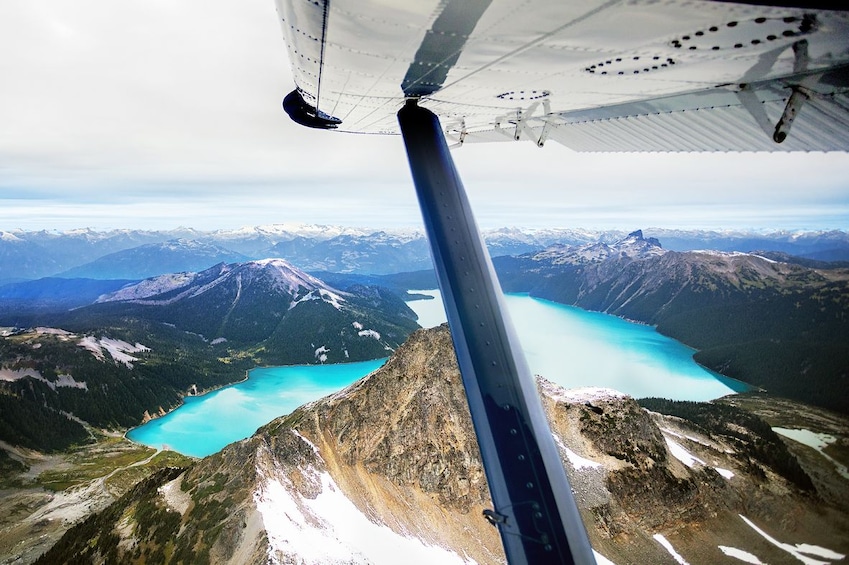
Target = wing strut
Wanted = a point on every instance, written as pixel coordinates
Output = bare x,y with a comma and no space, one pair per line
534,509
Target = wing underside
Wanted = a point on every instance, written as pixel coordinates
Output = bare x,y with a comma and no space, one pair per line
669,75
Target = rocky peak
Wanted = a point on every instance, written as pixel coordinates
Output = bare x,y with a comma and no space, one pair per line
633,246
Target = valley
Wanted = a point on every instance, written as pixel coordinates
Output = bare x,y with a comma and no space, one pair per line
82,360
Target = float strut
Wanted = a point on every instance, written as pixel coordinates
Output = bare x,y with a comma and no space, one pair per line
536,513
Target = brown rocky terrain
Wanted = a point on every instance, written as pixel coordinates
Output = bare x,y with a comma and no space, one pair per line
387,471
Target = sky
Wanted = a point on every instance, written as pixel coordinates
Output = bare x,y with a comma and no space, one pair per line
156,114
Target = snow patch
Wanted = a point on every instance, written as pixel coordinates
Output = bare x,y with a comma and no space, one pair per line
668,547
12,375
681,454
681,436
151,287
53,331
576,460
320,294
321,353
690,460
724,472
744,556
119,350
581,395
331,529
799,551
601,559
369,333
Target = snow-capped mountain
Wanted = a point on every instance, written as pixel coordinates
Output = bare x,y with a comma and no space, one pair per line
269,303
633,246
387,471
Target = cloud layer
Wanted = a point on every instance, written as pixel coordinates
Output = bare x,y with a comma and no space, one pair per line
157,114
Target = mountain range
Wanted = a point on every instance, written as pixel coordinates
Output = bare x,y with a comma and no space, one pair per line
129,254
387,471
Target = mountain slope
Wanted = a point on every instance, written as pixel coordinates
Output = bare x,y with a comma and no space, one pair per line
271,307
780,326
387,471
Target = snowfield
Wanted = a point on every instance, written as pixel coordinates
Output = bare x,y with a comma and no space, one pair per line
678,452
331,529
119,350
668,547
576,460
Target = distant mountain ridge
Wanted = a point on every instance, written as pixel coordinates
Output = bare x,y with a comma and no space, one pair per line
30,255
153,259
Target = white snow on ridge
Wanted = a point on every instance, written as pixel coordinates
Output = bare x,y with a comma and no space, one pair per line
331,529
678,452
116,348
744,556
581,395
576,460
799,551
369,333
690,460
668,547
151,287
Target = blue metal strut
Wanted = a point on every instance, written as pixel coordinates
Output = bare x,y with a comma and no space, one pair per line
534,510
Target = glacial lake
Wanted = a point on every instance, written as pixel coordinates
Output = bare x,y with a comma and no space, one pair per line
564,344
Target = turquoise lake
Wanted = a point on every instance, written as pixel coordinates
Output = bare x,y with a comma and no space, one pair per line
564,344
205,424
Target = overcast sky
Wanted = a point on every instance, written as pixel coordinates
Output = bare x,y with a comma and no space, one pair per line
166,113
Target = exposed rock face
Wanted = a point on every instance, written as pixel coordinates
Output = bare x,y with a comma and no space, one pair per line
388,471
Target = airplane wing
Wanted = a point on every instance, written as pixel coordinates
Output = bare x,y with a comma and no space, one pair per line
643,75
617,75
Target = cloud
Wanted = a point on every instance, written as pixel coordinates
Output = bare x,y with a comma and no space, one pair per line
141,113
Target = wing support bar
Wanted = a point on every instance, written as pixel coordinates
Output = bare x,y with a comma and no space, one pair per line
535,511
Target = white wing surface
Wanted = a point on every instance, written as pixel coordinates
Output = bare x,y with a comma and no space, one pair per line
640,75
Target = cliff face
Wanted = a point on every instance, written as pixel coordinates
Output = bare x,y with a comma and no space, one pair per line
388,471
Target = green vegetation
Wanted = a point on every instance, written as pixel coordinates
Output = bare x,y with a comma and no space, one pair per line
94,461
115,396
93,540
752,437
28,423
9,469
